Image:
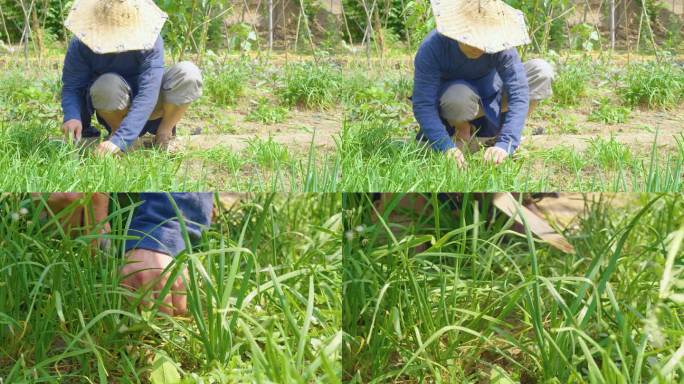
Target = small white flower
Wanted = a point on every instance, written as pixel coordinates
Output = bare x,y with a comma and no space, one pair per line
23,211
360,228
349,235
15,216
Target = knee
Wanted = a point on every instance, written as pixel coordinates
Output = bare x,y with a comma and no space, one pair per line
110,92
459,103
542,69
540,74
182,84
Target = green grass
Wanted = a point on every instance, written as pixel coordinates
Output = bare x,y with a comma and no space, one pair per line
310,85
376,161
457,297
264,299
226,84
264,111
571,83
268,153
608,154
605,111
653,85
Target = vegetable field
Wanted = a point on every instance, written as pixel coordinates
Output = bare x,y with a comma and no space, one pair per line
613,124
263,294
457,294
260,126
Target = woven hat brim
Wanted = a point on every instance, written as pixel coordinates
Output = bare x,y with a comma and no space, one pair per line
102,38
490,25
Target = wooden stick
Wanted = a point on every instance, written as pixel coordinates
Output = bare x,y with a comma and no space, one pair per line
507,204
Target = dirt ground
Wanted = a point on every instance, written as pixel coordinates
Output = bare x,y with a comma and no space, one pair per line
296,132
638,132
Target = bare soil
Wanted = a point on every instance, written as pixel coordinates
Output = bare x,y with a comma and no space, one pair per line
296,133
639,132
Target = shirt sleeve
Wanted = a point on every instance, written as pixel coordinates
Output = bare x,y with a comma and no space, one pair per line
75,80
143,104
155,225
426,84
512,73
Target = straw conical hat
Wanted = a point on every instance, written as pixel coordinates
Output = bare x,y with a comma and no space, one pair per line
490,25
108,26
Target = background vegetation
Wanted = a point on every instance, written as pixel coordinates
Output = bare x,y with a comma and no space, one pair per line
195,26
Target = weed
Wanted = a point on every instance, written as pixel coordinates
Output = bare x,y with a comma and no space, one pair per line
608,153
225,158
227,84
607,112
655,85
267,153
264,111
570,85
560,121
310,85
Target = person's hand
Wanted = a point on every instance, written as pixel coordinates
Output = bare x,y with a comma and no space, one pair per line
457,156
84,215
106,148
495,155
144,271
73,129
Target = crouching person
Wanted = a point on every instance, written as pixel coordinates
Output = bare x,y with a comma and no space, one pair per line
156,237
114,69
470,82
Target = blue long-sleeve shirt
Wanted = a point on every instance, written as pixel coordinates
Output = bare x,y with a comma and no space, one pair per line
142,70
155,222
440,62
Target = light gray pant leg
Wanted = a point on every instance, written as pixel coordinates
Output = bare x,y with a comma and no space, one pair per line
110,92
459,103
182,84
540,75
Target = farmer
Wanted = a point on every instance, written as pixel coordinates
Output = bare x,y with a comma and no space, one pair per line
155,232
469,80
114,67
